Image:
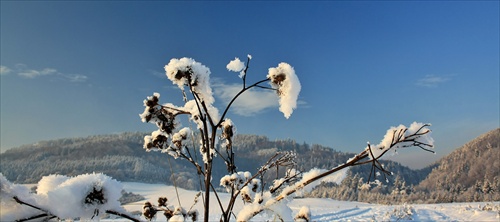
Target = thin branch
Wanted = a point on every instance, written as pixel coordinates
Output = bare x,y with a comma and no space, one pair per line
217,197
234,99
266,87
432,151
245,72
191,160
30,205
37,216
123,215
174,181
179,111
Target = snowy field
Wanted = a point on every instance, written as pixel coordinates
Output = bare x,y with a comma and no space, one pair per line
329,210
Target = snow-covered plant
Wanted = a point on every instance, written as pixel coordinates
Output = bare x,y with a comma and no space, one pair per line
85,196
193,79
403,212
90,195
304,214
214,127
171,213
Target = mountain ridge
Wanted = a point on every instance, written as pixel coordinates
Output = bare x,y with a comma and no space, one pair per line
122,156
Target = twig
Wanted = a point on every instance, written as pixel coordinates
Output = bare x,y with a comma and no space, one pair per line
123,215
36,217
234,99
27,204
174,180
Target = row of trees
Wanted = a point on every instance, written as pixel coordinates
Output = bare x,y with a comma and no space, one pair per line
117,156
355,188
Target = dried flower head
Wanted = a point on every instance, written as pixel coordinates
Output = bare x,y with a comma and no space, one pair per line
95,197
148,211
188,72
193,214
162,201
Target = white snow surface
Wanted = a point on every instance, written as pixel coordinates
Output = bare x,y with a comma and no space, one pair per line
322,209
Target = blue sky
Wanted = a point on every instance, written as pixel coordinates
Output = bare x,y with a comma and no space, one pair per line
79,68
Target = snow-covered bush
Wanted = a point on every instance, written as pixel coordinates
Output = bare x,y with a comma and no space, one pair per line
85,196
402,212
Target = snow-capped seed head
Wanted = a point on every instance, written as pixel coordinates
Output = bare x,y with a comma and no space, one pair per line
148,144
193,214
179,137
227,128
148,211
95,197
162,201
179,211
287,84
152,100
278,79
149,103
181,74
188,72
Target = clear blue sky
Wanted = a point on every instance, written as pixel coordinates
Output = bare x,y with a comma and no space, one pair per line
79,68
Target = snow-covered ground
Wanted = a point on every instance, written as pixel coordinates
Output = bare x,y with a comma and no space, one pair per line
327,209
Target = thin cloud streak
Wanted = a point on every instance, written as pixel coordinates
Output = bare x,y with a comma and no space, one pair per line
4,70
432,81
23,71
31,73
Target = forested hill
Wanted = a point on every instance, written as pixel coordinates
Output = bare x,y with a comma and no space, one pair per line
122,157
468,174
470,169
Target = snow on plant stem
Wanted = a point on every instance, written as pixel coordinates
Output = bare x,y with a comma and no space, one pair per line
417,134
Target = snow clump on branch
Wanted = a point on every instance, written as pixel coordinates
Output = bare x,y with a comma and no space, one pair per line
188,72
418,134
97,193
85,196
283,79
235,65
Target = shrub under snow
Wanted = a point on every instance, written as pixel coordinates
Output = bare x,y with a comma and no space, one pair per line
85,196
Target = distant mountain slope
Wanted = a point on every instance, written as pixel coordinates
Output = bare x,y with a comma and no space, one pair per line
468,166
470,173
122,157
118,155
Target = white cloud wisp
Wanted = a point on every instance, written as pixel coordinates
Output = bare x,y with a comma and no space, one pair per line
250,103
4,70
432,80
23,71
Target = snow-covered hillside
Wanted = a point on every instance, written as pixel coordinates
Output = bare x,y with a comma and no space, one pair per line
330,210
